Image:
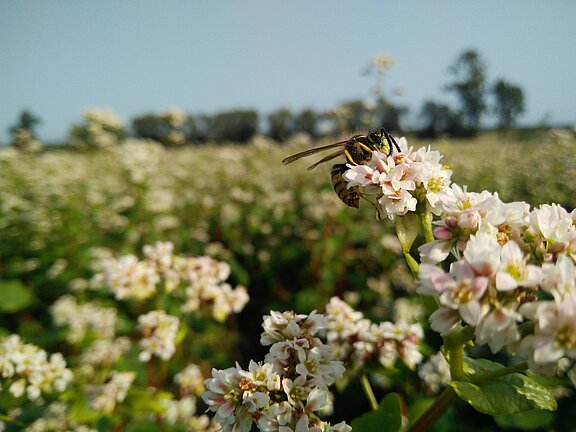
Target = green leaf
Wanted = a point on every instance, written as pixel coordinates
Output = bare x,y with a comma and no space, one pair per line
15,296
407,229
387,418
473,367
505,395
527,421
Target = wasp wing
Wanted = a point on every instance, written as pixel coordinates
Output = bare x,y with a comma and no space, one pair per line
312,151
325,159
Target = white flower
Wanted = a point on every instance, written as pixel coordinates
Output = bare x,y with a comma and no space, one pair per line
114,391
29,370
514,270
461,289
559,278
498,328
223,394
360,175
286,392
83,318
553,222
397,202
160,254
105,352
435,251
435,372
190,380
129,278
356,340
444,320
179,411
555,333
160,330
483,254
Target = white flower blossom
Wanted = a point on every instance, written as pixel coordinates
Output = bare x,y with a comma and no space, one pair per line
159,330
283,392
113,391
28,370
435,372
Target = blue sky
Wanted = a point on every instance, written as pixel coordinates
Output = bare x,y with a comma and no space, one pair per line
135,56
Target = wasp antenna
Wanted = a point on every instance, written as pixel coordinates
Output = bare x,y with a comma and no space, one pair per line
391,140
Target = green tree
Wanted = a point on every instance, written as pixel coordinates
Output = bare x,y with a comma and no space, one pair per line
280,124
27,121
237,125
508,103
171,128
438,119
389,115
23,132
307,122
354,115
469,84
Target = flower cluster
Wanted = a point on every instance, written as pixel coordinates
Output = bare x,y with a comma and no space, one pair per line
463,213
82,318
283,392
512,276
105,352
129,278
57,418
28,370
24,140
190,380
199,281
159,332
113,391
435,373
401,181
356,340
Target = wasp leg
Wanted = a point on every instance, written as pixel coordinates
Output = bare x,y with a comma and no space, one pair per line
365,147
349,157
372,203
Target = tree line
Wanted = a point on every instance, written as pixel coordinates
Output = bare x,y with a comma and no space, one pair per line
475,96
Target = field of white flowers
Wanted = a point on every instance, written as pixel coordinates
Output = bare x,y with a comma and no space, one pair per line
129,272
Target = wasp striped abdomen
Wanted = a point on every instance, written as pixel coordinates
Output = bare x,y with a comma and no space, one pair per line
350,197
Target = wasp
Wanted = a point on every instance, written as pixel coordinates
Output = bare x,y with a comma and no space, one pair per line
357,151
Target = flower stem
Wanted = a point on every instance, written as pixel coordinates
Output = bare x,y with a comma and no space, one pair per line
435,411
368,392
454,344
406,231
412,264
426,221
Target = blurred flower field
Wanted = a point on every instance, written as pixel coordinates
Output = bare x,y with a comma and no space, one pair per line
146,267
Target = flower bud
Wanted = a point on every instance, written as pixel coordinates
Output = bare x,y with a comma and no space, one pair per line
451,222
557,247
468,220
442,233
